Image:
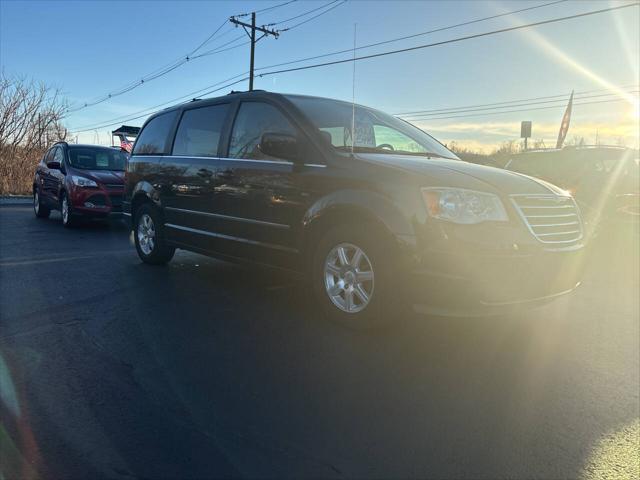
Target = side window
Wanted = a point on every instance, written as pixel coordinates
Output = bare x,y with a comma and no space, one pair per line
48,157
199,131
153,138
254,119
59,156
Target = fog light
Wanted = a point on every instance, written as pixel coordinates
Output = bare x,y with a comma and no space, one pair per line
89,205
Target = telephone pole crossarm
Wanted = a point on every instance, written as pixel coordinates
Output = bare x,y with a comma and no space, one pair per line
264,30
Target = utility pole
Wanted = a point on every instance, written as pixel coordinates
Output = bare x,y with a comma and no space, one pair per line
265,32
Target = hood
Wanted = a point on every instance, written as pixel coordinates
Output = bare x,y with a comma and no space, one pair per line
446,171
113,177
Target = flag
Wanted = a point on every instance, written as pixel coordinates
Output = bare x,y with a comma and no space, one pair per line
566,119
126,146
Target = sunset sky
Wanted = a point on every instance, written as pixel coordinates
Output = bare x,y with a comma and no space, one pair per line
90,49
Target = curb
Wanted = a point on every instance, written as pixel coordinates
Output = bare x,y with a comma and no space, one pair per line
15,200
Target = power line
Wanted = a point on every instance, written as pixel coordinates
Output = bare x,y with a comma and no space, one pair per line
304,14
512,105
316,16
218,49
96,127
267,8
406,37
562,95
519,110
154,109
159,72
423,46
453,40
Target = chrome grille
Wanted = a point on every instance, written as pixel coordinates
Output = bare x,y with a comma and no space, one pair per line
114,186
550,218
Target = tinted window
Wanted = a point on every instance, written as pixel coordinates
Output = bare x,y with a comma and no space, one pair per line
49,155
199,131
253,120
58,156
89,158
153,138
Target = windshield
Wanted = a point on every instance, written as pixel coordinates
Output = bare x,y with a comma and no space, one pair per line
375,131
88,158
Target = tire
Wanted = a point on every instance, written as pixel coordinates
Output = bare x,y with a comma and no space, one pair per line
39,209
148,233
361,258
66,212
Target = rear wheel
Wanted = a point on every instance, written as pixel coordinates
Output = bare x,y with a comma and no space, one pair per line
149,236
354,275
39,209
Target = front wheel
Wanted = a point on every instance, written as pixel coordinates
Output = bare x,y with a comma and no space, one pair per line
39,209
355,277
68,218
149,237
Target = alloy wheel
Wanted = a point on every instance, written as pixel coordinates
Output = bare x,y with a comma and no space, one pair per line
146,234
349,278
65,210
36,202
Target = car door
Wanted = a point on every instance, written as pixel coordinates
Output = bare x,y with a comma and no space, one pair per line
258,199
52,176
43,176
190,170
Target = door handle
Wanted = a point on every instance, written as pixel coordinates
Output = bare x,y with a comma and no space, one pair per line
205,173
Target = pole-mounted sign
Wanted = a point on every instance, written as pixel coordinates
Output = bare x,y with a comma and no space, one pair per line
525,131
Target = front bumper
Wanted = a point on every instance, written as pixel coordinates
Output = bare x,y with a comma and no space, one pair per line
96,202
489,284
458,271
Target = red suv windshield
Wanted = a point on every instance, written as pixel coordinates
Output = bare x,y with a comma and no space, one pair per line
88,158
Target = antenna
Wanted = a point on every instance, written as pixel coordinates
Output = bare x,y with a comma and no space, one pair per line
353,93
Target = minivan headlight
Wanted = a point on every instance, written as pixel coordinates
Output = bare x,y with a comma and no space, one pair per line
83,182
459,205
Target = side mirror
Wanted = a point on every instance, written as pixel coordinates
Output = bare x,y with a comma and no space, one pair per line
280,145
53,165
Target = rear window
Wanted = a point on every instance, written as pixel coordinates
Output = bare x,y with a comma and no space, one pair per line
153,138
199,131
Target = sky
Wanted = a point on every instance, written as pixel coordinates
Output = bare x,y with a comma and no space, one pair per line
90,49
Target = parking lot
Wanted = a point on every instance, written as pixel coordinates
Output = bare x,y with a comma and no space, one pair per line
112,368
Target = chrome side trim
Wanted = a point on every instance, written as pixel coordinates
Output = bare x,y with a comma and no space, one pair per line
225,159
228,217
530,300
229,237
280,162
126,214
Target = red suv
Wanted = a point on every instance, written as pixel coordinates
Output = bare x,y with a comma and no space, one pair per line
80,181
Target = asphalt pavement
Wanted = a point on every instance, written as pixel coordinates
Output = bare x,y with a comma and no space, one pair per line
114,369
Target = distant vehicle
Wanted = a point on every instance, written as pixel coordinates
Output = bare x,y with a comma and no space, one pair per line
604,180
395,220
80,181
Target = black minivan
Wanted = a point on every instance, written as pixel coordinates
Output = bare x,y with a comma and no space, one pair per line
374,212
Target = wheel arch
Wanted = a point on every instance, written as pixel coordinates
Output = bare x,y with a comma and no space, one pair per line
350,207
142,193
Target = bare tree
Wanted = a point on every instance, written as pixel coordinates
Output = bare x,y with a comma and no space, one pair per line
31,117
